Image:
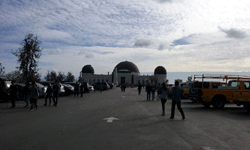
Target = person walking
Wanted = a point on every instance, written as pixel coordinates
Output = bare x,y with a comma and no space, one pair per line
33,95
139,88
85,87
124,87
158,88
76,89
13,94
49,93
82,88
153,91
176,100
56,92
164,97
148,90
26,94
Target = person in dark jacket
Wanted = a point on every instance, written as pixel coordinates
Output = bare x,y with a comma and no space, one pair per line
124,87
158,88
13,94
56,92
33,95
26,94
148,90
49,93
164,97
86,89
153,88
176,99
76,89
82,88
139,88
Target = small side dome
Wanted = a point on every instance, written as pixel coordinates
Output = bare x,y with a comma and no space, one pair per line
88,69
160,70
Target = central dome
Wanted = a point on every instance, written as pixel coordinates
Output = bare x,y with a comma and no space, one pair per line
126,66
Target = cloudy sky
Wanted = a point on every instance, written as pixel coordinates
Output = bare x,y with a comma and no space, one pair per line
181,35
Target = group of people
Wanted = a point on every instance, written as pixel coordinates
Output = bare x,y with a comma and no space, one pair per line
162,93
150,89
52,92
80,88
31,93
123,87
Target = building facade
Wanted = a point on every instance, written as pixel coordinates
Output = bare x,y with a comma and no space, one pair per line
124,73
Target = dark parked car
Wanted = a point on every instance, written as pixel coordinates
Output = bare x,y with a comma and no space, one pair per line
101,86
4,86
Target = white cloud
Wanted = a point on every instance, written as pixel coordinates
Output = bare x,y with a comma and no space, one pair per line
56,51
53,34
86,54
107,32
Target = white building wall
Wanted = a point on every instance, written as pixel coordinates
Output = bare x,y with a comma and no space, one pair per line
161,78
92,78
127,77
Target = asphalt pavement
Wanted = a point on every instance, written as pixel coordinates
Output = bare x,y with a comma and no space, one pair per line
112,119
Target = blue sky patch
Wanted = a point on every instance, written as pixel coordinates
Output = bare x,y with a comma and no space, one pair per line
182,41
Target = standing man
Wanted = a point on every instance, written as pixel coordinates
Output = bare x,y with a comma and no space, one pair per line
176,99
124,87
76,89
33,95
139,88
26,94
85,87
153,91
49,93
164,97
82,89
158,88
13,94
148,90
56,92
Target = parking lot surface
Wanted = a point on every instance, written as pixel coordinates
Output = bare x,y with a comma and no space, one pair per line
122,120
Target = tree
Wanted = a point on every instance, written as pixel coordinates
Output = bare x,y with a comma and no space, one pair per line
27,56
51,76
60,77
2,71
14,75
69,77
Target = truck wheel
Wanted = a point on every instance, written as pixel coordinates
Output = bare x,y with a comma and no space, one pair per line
219,101
247,107
206,104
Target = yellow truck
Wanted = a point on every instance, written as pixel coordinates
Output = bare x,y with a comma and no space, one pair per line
233,89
